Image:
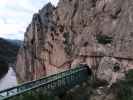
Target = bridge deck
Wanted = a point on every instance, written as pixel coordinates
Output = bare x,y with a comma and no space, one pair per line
56,83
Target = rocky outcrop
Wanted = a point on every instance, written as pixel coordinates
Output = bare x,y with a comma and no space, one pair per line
110,70
77,31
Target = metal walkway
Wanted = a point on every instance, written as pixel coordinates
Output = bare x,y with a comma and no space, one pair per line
57,83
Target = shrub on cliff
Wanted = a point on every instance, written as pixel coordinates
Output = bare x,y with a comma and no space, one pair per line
124,88
103,39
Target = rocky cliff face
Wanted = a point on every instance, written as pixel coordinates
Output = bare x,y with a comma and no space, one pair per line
78,31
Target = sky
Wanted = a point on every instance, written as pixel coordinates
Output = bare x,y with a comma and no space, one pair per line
15,15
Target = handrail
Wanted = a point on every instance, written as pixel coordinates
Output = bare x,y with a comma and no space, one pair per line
20,89
40,85
27,83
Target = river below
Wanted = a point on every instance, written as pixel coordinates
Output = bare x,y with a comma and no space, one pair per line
9,80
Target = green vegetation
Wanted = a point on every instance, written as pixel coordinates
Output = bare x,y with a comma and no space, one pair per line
8,53
124,88
129,75
103,39
68,43
3,67
35,95
8,50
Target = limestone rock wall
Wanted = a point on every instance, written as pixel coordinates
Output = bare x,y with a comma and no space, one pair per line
76,31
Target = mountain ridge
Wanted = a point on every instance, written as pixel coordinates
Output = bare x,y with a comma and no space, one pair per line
8,54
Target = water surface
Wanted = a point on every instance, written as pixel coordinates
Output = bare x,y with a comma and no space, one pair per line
9,80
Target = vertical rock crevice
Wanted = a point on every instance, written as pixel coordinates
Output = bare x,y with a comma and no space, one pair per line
76,32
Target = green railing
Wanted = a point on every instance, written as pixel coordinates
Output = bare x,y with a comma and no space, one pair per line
57,83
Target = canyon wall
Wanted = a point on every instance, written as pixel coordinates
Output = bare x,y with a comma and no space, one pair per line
78,31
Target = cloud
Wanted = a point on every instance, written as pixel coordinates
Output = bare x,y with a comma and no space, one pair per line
15,15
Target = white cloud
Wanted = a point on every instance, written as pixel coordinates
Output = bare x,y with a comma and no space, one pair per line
15,15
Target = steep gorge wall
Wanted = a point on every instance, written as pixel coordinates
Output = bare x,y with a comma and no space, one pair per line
76,31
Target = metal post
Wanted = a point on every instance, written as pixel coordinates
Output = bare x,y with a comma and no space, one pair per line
7,93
